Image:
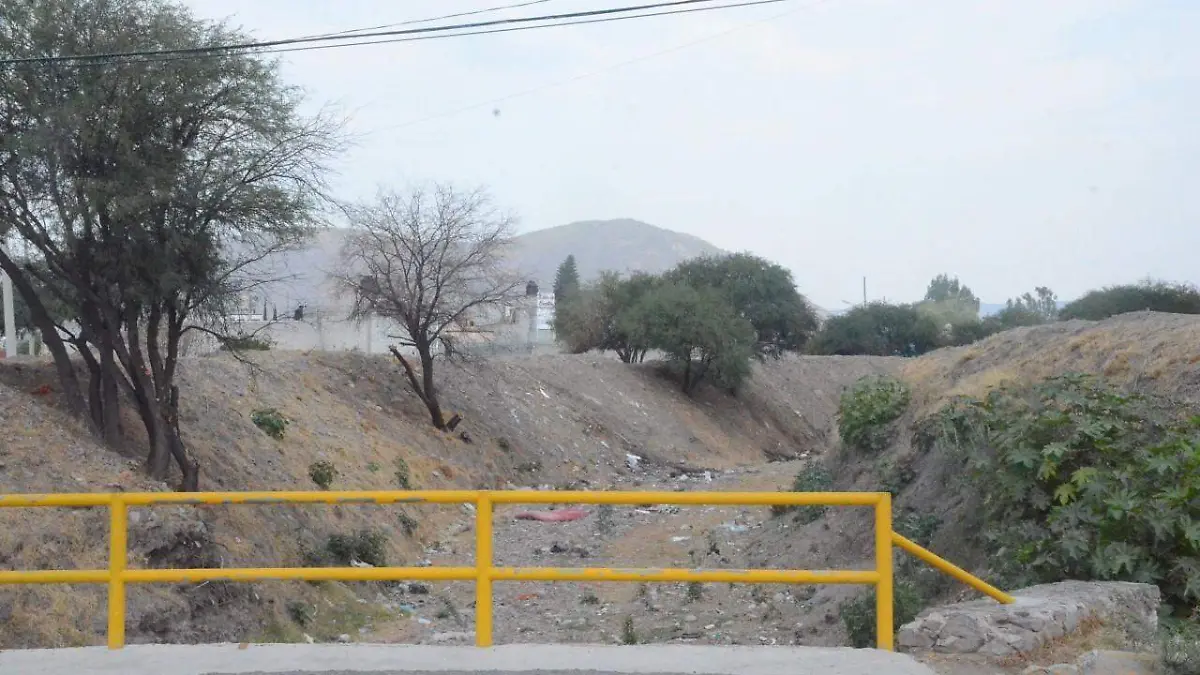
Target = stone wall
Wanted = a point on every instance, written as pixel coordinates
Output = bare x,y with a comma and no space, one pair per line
1040,614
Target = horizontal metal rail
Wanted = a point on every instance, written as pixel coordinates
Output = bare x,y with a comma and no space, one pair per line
484,572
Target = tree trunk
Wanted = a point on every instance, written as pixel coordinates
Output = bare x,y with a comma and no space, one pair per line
425,392
67,378
431,399
189,466
109,393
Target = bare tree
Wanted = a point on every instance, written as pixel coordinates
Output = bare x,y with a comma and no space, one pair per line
430,259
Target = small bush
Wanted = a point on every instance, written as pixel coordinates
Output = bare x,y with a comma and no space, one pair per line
916,527
1181,647
695,591
589,598
408,524
858,615
503,444
245,343
814,477
403,476
365,546
300,612
896,474
868,408
322,473
604,519
373,467
629,634
271,421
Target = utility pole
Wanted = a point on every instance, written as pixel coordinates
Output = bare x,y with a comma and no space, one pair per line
864,291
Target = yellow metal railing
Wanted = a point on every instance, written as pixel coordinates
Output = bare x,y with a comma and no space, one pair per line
484,572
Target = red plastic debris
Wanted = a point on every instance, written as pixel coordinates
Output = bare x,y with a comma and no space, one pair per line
42,390
560,516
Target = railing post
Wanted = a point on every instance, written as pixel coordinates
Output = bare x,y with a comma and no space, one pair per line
117,553
884,622
483,569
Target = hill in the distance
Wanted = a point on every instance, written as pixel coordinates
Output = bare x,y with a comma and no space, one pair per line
622,245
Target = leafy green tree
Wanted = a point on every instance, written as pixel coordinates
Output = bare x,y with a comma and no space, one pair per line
761,291
1029,309
1154,296
879,329
566,280
170,180
699,331
592,319
945,288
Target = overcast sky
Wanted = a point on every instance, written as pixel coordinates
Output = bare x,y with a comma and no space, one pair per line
1014,143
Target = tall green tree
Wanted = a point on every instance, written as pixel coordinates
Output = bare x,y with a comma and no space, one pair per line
944,288
1028,309
761,291
592,320
566,280
146,193
702,335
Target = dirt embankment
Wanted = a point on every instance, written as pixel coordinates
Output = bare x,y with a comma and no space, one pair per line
550,421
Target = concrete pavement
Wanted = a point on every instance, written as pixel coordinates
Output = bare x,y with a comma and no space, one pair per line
422,660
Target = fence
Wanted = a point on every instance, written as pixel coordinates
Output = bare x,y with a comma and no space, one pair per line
484,572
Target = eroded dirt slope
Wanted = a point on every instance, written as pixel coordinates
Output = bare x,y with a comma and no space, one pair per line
554,421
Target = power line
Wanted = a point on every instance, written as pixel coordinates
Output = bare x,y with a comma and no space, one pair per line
413,22
303,40
417,38
594,73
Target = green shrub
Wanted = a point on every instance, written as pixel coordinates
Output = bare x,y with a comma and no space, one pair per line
878,329
895,474
1156,296
403,476
366,546
408,524
629,634
271,421
695,591
322,473
1181,647
373,467
814,477
589,598
915,526
245,343
1079,481
858,615
867,410
301,613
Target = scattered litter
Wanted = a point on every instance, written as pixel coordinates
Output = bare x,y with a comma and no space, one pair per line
735,528
559,516
632,461
526,596
359,563
544,394
423,621
679,539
